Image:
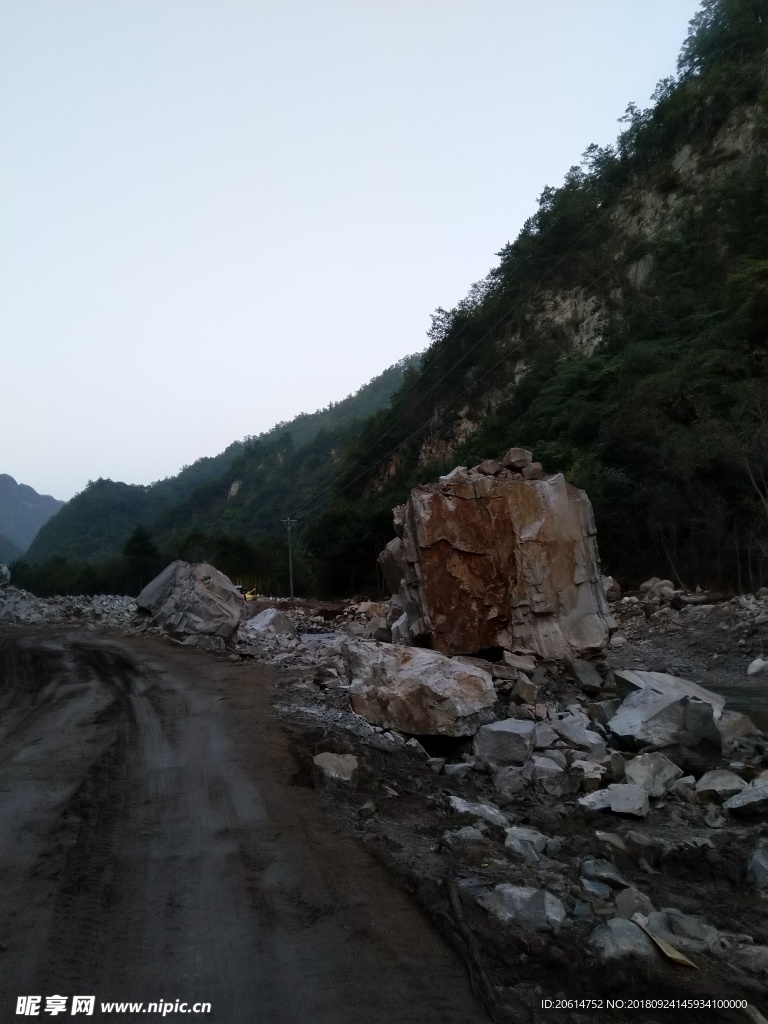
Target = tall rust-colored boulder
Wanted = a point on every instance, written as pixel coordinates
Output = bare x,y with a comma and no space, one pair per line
484,561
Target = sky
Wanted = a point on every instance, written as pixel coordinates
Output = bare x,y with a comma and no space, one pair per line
216,214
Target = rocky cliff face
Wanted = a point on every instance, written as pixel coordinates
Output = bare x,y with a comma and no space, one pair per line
498,556
575,310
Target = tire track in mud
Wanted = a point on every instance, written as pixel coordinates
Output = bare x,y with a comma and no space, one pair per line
182,864
76,936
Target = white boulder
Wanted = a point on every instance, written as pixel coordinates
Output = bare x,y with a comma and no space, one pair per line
417,691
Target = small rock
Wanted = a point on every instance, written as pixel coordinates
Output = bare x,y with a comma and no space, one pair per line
751,800
719,785
535,471
590,774
604,871
598,889
544,736
517,458
732,725
367,810
611,843
507,742
757,866
509,783
595,802
489,468
523,905
335,769
487,812
684,789
574,731
468,841
520,833
631,901
619,939
602,711
653,772
585,674
270,618
554,847
628,799
713,818
642,847
758,665
521,662
524,691
617,766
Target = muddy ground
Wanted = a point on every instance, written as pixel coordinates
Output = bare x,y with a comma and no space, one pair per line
157,843
161,836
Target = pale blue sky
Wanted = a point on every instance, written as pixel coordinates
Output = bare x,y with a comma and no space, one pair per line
215,214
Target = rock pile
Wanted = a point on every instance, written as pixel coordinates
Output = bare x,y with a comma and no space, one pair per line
556,815
20,608
497,556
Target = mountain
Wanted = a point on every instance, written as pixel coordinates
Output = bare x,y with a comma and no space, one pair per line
623,336
22,513
96,523
9,551
246,489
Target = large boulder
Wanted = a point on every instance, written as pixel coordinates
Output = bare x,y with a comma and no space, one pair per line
186,599
628,682
417,691
647,717
484,561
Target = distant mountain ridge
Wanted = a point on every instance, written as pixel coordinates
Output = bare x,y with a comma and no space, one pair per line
22,513
243,490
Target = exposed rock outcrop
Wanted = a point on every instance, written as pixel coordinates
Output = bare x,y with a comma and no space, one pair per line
188,598
494,557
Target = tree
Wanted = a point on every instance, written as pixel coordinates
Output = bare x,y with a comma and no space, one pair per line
142,559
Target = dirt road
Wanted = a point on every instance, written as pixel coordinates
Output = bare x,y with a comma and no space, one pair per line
154,848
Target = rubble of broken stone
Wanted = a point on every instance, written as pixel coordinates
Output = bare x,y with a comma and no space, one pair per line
20,608
574,802
666,610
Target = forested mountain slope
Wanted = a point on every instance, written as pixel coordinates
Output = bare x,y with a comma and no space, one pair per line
623,336
244,490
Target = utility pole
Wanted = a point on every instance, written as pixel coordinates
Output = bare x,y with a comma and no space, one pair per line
289,524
